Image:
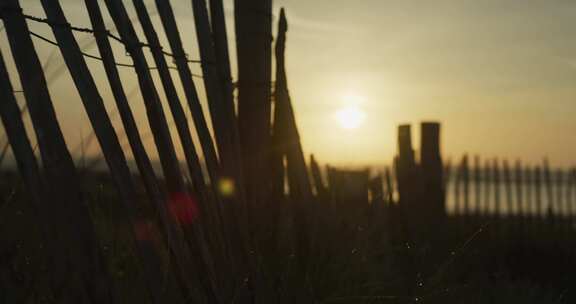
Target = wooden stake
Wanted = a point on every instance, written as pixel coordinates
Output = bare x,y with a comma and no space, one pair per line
254,51
286,137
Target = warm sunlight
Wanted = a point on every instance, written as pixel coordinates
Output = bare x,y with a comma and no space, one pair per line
350,117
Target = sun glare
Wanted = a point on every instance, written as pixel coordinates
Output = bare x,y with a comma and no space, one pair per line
350,117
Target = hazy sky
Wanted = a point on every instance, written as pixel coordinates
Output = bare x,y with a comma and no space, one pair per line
499,74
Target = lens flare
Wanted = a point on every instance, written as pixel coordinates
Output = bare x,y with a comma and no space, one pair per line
226,187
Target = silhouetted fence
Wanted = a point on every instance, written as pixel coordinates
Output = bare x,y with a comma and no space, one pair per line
249,203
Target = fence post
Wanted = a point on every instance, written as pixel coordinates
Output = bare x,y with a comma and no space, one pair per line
389,187
560,185
547,176
285,131
376,187
530,209
497,203
477,184
405,166
571,185
537,192
519,182
488,185
253,24
432,169
508,188
466,183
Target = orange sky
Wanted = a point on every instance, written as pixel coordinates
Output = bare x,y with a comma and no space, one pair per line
499,74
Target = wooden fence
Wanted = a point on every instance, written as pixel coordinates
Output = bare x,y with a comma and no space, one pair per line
256,197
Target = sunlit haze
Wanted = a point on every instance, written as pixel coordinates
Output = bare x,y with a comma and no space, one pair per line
499,75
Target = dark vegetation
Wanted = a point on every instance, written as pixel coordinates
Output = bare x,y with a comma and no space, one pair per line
251,221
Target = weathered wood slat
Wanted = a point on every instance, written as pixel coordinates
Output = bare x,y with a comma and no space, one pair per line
170,164
175,106
221,52
79,265
19,142
154,111
32,177
105,134
221,108
175,242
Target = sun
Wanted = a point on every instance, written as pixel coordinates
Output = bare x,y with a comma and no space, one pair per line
350,117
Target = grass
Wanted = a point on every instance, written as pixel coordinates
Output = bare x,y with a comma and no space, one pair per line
356,259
